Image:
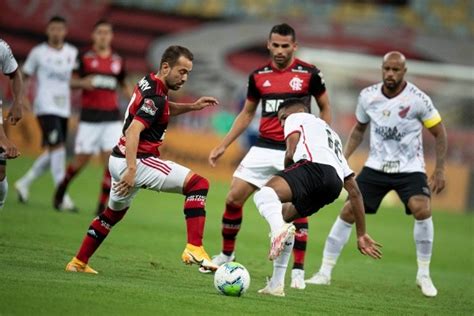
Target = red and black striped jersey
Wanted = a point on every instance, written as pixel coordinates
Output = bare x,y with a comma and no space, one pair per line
101,103
272,86
149,105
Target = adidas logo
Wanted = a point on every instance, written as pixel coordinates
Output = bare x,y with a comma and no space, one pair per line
267,83
92,233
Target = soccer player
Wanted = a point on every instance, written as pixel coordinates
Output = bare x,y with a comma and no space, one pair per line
135,161
101,72
397,111
283,77
52,64
315,173
9,67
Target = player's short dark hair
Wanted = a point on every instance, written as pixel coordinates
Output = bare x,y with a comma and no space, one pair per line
57,19
172,54
103,22
291,102
284,30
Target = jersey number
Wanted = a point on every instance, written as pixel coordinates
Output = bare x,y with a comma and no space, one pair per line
335,144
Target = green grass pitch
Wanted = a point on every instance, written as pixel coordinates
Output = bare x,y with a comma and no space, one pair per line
141,272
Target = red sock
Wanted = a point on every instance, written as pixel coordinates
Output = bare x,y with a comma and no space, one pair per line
231,221
98,230
194,208
105,191
71,172
301,238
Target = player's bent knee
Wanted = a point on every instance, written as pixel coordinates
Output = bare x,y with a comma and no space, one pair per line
118,206
422,213
195,183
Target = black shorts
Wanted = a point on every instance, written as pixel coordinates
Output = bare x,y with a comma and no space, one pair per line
374,185
54,129
313,185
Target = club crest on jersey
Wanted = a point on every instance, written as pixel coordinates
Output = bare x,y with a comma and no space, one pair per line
296,84
149,107
404,111
115,66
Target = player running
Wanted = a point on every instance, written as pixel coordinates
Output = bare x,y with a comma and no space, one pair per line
52,64
9,67
135,161
315,180
283,77
397,111
100,73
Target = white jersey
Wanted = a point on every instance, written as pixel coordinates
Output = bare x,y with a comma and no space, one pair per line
317,143
53,69
8,64
395,131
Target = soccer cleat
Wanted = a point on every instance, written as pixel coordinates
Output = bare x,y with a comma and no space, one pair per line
427,287
22,192
270,289
197,255
319,279
67,205
279,239
219,260
76,265
59,196
297,279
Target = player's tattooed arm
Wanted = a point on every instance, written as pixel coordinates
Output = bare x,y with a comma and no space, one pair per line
199,104
437,180
355,138
291,142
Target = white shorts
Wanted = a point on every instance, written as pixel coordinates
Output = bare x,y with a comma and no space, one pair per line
152,173
259,165
93,138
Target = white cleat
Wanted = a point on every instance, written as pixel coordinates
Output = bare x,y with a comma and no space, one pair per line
219,260
297,279
427,287
270,289
22,191
319,279
279,239
67,204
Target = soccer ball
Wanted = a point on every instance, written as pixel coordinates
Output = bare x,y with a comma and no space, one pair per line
232,279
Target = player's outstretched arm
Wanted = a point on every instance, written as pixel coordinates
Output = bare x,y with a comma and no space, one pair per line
437,180
355,138
241,122
199,104
367,246
291,143
16,110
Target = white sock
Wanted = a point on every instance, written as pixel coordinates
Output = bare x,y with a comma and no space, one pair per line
281,263
337,238
3,191
424,234
58,165
269,206
39,167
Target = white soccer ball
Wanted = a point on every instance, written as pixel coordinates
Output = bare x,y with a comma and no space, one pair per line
232,279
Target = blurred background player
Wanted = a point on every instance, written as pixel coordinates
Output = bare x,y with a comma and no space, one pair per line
135,162
101,71
52,63
315,173
9,67
283,77
397,111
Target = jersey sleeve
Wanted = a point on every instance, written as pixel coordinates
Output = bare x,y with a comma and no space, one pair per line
150,109
361,114
8,62
427,112
317,85
31,64
252,92
291,126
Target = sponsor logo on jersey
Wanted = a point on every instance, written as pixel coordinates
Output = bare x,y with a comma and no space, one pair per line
149,107
267,83
115,67
403,113
296,84
144,84
389,133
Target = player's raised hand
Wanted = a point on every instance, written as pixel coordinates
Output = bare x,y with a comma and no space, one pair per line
368,246
204,102
16,112
437,181
8,150
215,154
126,183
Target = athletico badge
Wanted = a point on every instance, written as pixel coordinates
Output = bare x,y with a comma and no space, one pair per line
149,107
403,113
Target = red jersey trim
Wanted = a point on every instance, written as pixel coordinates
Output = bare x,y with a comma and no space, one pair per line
305,144
295,131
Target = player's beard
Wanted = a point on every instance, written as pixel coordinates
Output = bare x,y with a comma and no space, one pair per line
392,85
174,85
282,62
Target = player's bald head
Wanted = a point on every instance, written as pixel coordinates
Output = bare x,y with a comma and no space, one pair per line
393,71
395,56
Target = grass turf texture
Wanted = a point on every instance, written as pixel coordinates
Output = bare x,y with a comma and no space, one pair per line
141,270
